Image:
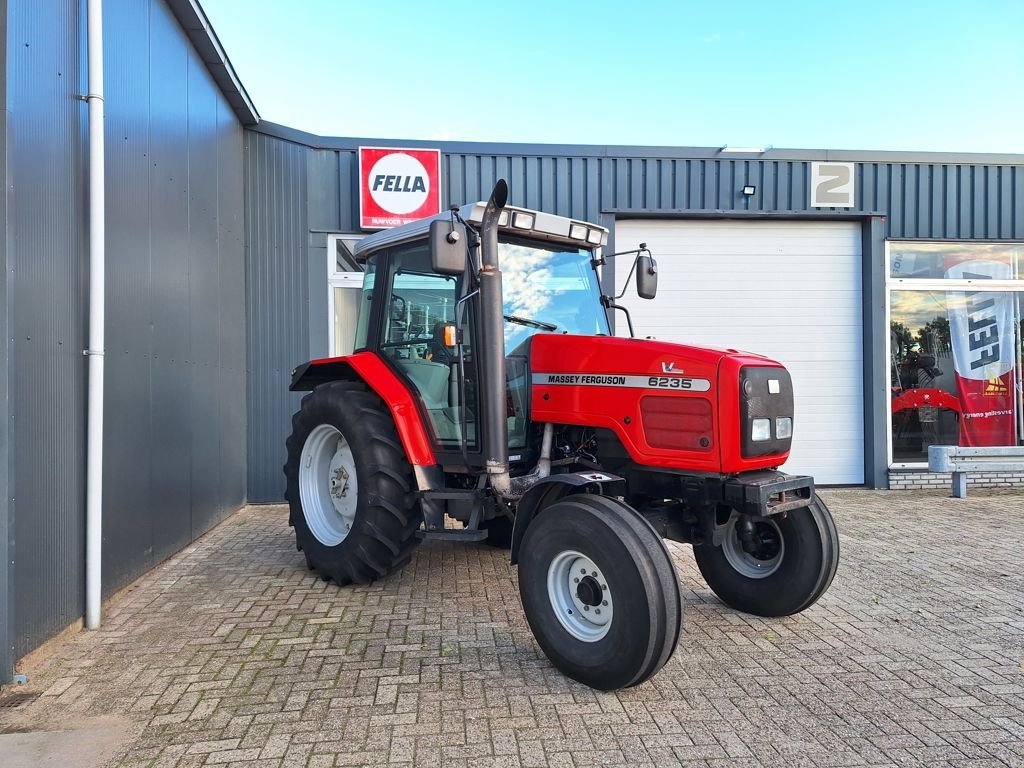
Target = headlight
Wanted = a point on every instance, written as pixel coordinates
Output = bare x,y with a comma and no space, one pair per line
760,430
522,220
766,411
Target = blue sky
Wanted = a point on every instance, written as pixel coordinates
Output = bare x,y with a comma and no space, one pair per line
899,74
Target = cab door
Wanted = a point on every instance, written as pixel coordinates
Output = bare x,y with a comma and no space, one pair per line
415,306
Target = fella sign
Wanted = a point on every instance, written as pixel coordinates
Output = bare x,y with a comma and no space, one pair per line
397,186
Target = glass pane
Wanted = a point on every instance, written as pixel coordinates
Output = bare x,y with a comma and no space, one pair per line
420,304
365,305
544,284
1003,261
346,312
955,371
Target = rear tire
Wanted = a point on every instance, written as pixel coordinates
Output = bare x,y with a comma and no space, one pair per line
795,569
344,445
608,631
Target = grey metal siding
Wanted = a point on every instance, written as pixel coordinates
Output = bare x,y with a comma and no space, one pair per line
921,195
46,229
175,400
924,195
174,436
6,430
277,229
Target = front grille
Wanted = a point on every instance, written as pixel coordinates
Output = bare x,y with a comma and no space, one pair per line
677,423
758,401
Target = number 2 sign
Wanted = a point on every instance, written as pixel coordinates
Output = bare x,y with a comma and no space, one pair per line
832,185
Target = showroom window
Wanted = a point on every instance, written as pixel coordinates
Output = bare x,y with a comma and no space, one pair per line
955,341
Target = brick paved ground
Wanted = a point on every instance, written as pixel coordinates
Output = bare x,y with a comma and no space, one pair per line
233,654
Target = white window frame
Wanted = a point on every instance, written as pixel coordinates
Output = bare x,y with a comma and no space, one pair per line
337,278
927,284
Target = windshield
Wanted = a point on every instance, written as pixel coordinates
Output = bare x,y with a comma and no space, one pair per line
544,284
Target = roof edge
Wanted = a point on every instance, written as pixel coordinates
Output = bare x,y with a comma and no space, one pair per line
197,27
640,151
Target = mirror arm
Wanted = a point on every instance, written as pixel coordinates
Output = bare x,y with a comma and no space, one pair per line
609,303
632,269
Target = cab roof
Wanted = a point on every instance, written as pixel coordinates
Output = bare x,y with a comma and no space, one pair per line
514,220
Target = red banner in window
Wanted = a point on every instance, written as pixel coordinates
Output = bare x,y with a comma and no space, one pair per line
981,334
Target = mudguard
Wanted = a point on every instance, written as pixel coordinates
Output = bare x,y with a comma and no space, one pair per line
548,491
367,367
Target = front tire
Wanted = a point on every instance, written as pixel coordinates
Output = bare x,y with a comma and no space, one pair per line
599,591
792,565
350,487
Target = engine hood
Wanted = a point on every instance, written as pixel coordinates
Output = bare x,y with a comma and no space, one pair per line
671,405
556,353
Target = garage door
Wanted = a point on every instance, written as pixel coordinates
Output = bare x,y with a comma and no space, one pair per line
788,290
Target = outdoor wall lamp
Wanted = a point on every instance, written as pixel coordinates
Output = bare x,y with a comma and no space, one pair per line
749,190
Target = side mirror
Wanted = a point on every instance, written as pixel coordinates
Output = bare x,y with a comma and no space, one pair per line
646,276
447,247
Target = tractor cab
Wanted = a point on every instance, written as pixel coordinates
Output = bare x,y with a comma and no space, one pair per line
423,323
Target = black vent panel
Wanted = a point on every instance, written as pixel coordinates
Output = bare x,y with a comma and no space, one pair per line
765,393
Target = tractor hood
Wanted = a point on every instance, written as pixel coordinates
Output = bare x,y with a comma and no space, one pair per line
671,405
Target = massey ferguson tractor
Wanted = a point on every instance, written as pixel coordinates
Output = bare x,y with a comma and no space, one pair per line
486,389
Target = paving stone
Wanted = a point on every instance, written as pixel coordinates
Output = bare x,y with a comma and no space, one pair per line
233,653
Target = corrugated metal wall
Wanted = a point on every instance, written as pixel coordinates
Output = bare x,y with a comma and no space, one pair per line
955,198
277,231
7,428
46,234
175,377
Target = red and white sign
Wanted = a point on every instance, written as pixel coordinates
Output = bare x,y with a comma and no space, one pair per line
981,333
397,186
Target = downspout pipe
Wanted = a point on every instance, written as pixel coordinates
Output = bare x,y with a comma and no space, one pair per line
95,352
492,348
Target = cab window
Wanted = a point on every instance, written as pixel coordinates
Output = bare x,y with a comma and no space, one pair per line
419,305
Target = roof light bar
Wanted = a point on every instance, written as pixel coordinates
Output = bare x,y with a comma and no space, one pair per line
545,226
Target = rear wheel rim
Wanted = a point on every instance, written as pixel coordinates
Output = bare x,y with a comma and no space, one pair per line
763,563
580,596
328,486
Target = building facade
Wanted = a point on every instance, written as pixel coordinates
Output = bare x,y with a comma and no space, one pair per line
842,265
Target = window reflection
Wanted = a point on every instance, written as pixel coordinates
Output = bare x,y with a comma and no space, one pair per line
943,260
955,370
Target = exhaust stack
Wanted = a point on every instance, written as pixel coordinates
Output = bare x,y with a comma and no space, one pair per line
492,347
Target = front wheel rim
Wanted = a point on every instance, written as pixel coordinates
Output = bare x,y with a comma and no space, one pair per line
758,565
580,596
328,486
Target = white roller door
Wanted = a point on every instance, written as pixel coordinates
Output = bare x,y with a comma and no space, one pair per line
790,290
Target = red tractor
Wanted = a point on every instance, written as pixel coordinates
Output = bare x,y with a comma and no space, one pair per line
518,415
